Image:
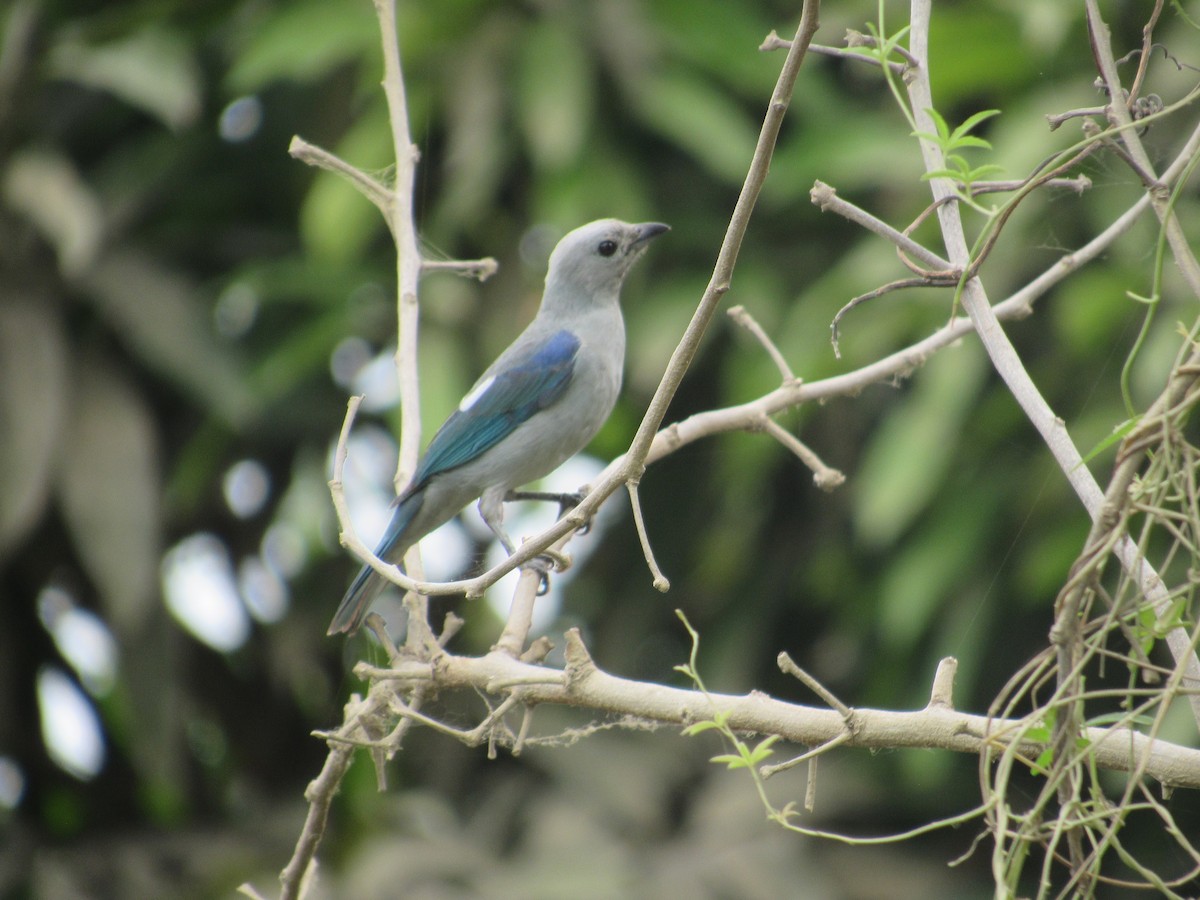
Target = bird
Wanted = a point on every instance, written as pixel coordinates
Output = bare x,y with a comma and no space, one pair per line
537,405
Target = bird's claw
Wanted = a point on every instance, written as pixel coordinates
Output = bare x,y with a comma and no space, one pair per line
567,502
545,563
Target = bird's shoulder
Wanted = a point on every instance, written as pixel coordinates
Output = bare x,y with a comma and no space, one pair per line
528,377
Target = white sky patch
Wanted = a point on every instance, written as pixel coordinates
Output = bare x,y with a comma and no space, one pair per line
70,726
367,483
265,593
246,486
12,783
202,593
377,383
523,520
475,393
82,638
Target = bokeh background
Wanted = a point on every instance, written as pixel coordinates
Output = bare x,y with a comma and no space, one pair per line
184,310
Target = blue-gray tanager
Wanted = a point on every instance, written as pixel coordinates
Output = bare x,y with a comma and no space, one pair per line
537,405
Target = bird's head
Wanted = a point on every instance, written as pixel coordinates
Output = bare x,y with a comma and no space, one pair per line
594,259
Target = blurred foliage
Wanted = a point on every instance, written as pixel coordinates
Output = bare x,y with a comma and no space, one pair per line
173,292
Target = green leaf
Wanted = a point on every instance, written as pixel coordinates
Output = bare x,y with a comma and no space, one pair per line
555,94
1042,764
732,761
906,459
336,221
971,121
1118,434
981,172
941,173
109,485
47,189
943,130
958,163
762,750
33,400
173,335
960,143
304,41
152,69
698,117
698,727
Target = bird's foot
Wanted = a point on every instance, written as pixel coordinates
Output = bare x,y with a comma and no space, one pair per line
567,502
545,563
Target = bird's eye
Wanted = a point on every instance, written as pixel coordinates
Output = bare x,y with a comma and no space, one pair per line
607,248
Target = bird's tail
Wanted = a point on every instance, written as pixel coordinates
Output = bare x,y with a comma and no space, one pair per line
354,606
368,584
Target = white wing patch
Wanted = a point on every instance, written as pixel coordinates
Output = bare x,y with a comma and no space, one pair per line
475,393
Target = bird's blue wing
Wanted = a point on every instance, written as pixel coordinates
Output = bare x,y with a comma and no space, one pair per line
532,382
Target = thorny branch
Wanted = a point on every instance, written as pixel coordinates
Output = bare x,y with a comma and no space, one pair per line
584,685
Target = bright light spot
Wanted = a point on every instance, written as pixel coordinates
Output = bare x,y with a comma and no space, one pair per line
284,549
82,638
446,551
263,590
70,727
367,483
236,310
529,519
347,360
241,119
367,480
377,383
12,783
201,592
246,486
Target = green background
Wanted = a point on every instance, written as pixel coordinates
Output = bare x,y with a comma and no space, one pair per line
169,304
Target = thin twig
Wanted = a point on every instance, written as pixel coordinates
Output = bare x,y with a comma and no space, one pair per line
1057,119
731,244
853,303
366,185
788,666
660,581
1078,184
826,199
480,269
824,477
743,318
808,756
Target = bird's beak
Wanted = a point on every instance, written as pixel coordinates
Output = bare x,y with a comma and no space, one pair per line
648,230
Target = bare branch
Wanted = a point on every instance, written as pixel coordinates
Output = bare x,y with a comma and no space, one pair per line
747,321
480,269
583,685
520,617
825,198
366,185
788,666
824,477
660,581
727,256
